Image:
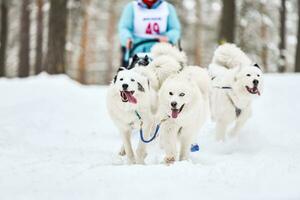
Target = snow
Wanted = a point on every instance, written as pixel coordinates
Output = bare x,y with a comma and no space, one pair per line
57,142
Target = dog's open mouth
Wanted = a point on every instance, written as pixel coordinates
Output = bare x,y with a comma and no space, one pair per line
253,90
127,96
175,111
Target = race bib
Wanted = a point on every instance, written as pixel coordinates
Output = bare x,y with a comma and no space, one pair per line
148,23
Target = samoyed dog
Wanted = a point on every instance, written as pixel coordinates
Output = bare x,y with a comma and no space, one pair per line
236,82
183,106
130,96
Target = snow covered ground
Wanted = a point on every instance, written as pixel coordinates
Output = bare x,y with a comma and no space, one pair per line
57,142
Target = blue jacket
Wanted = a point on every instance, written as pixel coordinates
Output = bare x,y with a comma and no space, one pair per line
126,28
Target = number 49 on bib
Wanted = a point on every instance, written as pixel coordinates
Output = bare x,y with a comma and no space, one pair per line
152,28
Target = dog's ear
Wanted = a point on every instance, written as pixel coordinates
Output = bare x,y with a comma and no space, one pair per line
135,58
148,82
115,78
140,87
146,60
256,65
121,69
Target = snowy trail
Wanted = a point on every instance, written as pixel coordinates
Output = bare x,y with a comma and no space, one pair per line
57,142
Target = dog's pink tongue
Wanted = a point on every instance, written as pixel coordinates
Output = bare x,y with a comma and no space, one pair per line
255,90
258,92
130,98
175,113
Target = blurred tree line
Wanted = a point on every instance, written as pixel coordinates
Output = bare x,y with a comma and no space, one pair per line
79,37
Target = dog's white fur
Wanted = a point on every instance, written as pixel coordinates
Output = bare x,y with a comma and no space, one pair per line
123,113
167,60
163,49
231,67
194,83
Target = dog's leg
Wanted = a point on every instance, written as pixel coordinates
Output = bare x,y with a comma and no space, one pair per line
141,152
187,138
241,120
221,128
185,142
170,146
126,136
122,151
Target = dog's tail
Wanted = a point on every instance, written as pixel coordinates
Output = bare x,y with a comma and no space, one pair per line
163,67
230,56
201,77
166,49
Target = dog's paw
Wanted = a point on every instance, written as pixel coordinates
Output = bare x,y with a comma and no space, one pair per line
140,156
140,161
122,152
131,161
183,158
169,160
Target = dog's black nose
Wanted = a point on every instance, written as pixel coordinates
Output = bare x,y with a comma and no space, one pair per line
174,104
125,86
255,82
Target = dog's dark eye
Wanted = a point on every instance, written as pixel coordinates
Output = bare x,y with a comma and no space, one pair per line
248,74
132,80
258,75
181,94
171,93
121,79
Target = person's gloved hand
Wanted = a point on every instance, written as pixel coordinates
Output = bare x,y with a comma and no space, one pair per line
163,38
129,43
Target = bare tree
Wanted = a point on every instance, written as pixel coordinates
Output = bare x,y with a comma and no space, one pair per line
242,26
55,59
3,36
84,42
297,63
198,38
110,38
39,37
282,44
264,36
24,59
227,31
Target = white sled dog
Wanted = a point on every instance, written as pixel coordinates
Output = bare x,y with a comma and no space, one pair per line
130,93
133,94
236,81
183,106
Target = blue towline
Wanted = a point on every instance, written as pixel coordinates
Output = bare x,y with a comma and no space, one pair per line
194,147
